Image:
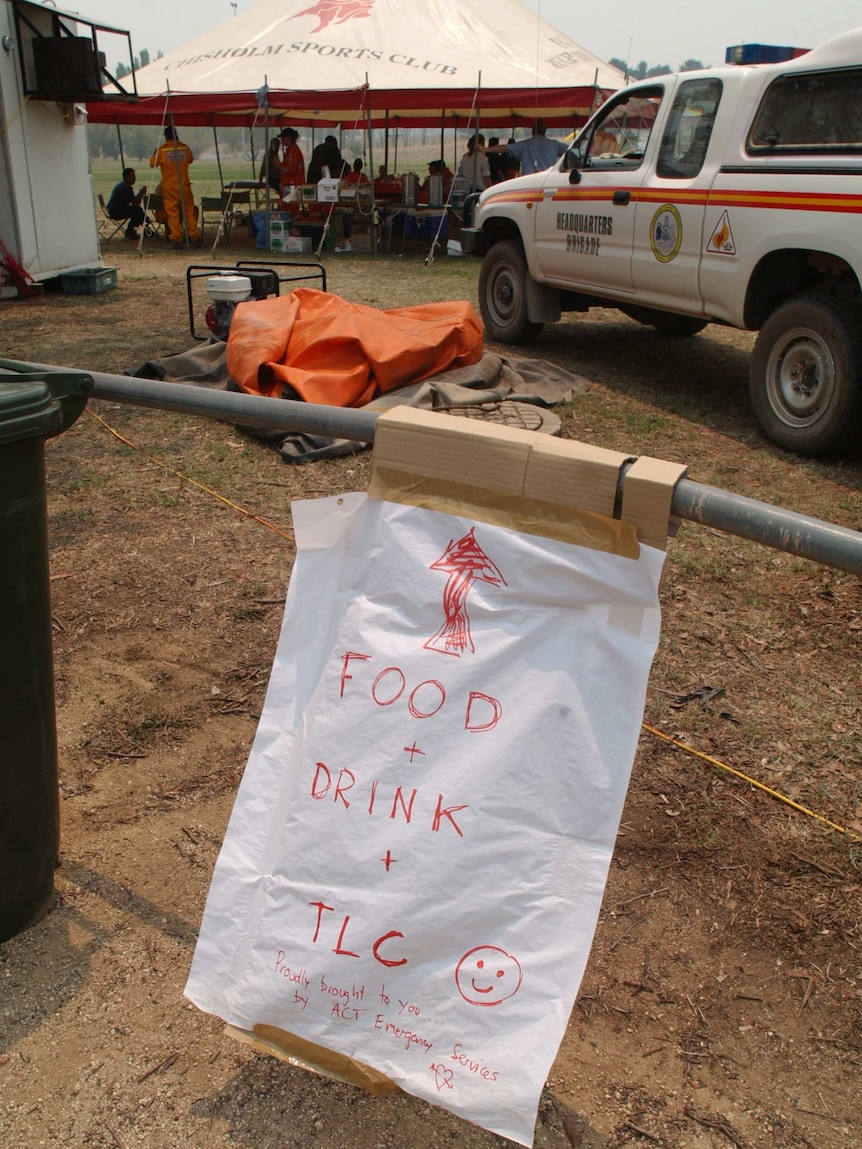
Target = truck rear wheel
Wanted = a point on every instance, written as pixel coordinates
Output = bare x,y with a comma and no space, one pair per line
806,375
503,294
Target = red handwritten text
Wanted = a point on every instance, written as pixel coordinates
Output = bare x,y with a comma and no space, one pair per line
425,699
339,947
402,802
473,1065
410,1039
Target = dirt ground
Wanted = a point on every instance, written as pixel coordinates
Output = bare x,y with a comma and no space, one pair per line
722,1005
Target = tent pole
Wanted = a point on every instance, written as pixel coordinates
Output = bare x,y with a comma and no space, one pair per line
478,112
442,133
371,177
386,142
395,152
120,145
218,157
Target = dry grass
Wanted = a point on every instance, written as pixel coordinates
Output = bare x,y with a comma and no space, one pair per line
722,999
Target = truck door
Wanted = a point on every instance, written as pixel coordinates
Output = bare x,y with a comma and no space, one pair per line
586,220
669,218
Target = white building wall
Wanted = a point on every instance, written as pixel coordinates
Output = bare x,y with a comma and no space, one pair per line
47,221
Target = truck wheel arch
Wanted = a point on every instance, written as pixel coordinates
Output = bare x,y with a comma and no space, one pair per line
782,274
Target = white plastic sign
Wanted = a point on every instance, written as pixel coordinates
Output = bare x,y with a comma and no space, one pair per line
414,866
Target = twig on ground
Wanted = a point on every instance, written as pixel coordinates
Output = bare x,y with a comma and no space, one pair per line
719,1124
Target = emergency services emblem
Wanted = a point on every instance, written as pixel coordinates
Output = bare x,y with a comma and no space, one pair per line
338,11
722,238
666,233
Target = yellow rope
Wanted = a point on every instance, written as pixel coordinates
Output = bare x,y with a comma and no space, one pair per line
750,781
185,478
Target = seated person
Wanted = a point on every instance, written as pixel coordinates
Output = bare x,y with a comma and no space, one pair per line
386,185
511,163
436,168
357,177
125,203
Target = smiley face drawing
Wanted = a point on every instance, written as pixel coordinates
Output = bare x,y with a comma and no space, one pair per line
487,975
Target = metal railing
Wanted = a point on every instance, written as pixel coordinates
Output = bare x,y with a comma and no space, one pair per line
760,522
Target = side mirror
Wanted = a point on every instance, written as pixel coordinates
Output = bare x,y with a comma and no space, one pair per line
575,176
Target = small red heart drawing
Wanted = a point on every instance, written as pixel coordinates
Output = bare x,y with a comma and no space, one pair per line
443,1077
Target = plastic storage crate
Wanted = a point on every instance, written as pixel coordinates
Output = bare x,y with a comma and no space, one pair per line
89,281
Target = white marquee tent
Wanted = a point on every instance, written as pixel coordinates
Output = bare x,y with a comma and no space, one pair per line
371,63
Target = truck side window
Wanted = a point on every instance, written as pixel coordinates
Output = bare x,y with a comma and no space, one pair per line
618,137
689,127
813,113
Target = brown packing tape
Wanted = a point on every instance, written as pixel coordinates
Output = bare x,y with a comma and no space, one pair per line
647,496
317,1058
574,474
514,512
522,480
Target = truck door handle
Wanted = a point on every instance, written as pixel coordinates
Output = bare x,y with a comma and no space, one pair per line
622,197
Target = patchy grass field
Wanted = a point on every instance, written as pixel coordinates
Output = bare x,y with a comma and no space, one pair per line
723,1000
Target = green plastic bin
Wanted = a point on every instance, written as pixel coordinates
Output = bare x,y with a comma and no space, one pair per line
29,798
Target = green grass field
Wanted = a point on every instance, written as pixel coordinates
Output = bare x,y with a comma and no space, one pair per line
203,173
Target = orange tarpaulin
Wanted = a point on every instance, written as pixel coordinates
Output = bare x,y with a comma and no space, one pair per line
343,354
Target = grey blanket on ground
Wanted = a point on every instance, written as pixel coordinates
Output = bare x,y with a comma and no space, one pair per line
491,381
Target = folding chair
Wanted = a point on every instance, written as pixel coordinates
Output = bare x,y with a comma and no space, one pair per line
108,227
223,207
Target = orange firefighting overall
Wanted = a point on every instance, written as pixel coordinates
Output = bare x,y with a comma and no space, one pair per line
174,157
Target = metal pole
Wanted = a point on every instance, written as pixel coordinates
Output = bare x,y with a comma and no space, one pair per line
760,522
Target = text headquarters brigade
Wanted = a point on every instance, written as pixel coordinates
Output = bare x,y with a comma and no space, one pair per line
584,232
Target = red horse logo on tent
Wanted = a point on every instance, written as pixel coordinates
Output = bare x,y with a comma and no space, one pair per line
466,563
337,10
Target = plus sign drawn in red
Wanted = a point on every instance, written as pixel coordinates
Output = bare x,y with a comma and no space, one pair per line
466,563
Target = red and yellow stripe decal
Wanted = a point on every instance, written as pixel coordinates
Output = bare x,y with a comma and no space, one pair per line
530,195
774,200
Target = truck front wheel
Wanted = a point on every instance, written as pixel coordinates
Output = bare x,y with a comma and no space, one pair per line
503,294
806,375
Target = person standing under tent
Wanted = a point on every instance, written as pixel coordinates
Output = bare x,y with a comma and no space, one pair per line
496,161
270,169
537,153
474,166
326,155
292,160
173,158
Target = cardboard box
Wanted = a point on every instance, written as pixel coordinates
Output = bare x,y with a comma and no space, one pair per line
296,243
327,191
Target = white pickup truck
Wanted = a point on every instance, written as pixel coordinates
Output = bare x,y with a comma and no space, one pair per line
731,195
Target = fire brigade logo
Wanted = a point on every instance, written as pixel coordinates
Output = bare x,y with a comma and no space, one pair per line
337,11
666,233
465,563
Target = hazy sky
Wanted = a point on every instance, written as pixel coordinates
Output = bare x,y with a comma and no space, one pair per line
665,33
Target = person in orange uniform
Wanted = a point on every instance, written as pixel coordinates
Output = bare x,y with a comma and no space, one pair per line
292,160
173,159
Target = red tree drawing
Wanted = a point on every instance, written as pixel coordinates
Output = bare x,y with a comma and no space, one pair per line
466,563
